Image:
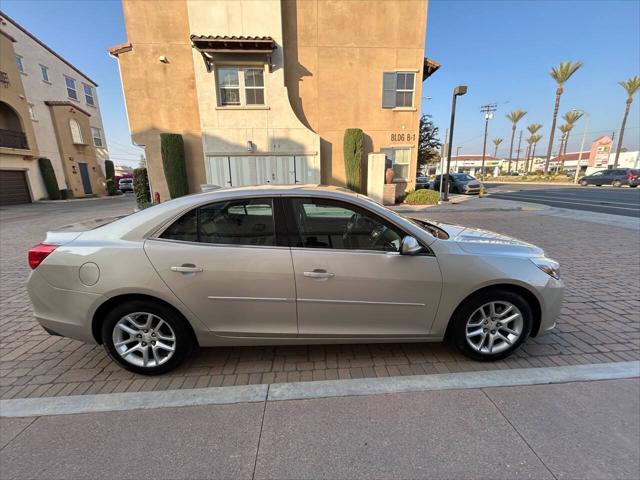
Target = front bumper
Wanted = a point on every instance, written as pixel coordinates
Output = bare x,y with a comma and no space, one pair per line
551,304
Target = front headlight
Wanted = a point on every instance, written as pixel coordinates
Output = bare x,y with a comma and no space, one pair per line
548,266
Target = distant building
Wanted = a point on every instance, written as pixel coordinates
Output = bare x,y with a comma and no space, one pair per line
48,108
262,92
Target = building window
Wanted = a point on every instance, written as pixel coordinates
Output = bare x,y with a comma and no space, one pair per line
96,133
45,73
397,89
32,112
400,159
20,64
241,86
76,132
88,94
72,92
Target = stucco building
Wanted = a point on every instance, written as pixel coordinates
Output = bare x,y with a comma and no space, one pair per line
48,108
263,90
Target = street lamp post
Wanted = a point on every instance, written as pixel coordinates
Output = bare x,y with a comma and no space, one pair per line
584,136
488,115
458,91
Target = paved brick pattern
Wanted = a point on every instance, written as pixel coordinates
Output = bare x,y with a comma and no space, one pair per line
600,321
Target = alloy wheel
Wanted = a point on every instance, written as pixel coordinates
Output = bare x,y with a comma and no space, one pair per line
144,339
494,327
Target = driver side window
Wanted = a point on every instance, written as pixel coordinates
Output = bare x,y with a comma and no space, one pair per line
330,224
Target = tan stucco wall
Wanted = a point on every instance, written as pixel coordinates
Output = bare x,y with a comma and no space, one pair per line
14,96
335,56
161,97
71,154
274,128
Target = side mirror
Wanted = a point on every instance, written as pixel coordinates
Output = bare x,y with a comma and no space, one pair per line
410,246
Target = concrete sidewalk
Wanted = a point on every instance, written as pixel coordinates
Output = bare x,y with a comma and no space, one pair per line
569,430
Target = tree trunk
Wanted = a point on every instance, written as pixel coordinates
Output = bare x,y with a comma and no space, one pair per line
513,136
533,156
566,141
526,160
624,123
553,128
562,146
495,153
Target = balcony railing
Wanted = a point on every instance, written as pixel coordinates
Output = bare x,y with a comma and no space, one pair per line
4,79
13,139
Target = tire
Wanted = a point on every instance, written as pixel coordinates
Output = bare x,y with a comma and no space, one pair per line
584,183
633,186
616,183
167,328
468,313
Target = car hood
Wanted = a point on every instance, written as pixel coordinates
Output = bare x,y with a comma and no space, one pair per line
478,241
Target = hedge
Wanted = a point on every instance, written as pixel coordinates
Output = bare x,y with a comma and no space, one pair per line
352,151
141,187
49,177
110,174
422,197
173,164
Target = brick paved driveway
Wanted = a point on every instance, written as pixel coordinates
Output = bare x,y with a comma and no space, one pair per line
600,321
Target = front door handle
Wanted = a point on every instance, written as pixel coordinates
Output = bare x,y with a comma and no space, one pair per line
187,268
317,273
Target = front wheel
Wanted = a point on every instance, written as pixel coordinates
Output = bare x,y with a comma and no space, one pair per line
616,183
584,183
492,325
145,337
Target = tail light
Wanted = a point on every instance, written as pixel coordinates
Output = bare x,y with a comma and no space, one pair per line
38,253
631,176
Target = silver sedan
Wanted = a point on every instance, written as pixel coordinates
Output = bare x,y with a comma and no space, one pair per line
287,265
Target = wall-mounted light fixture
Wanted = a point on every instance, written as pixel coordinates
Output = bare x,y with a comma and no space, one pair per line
250,146
163,59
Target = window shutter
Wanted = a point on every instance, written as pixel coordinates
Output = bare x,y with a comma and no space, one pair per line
388,90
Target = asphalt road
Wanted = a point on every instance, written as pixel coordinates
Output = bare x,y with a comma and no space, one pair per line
617,201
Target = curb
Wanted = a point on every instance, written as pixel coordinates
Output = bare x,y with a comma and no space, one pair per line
31,407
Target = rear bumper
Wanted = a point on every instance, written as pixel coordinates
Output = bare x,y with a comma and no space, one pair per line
62,312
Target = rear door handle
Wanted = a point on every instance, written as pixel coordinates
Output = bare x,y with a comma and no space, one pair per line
319,274
187,268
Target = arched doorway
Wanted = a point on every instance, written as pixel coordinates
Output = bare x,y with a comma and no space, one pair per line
11,132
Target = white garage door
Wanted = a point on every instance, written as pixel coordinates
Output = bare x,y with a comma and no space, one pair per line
234,171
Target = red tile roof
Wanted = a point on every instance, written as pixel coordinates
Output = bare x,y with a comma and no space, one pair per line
120,48
63,103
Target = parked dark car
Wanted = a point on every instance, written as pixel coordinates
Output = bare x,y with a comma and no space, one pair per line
125,185
614,176
459,183
422,182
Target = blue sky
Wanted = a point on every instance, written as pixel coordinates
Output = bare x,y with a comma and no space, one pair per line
501,49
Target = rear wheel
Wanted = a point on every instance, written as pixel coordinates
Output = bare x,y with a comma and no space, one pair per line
492,325
145,337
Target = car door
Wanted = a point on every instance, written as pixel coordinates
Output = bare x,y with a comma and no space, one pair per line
351,280
227,262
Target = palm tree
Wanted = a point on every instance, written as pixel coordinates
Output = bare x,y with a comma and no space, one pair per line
496,141
565,128
536,139
571,117
560,74
526,157
514,117
533,129
631,86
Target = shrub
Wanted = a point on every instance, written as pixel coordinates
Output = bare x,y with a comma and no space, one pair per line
110,174
141,187
49,177
173,164
352,151
422,197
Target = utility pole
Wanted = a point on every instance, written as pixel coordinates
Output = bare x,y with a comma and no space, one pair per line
518,151
488,115
613,137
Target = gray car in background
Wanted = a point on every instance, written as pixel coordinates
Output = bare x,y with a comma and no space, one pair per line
459,183
287,265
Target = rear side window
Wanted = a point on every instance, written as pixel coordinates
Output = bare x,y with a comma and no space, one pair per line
239,222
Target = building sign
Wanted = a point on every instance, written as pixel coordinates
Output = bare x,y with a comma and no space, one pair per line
403,137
